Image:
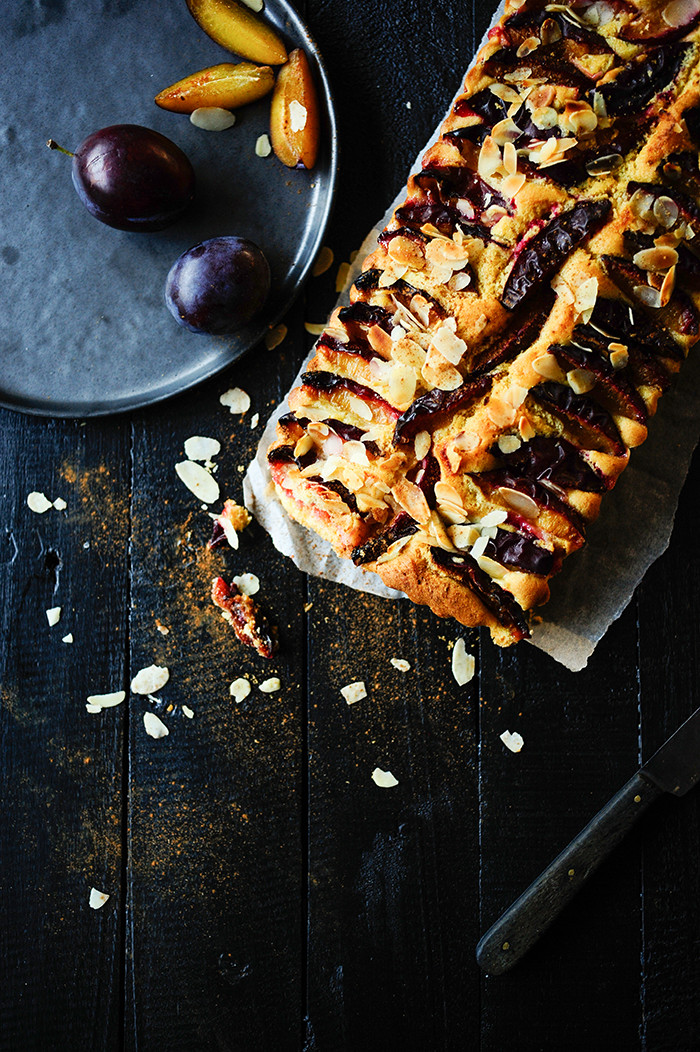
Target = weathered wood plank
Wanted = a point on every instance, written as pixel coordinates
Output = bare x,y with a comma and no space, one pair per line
669,616
215,867
580,732
62,767
392,871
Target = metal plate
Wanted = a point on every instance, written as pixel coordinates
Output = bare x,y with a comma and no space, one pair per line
84,330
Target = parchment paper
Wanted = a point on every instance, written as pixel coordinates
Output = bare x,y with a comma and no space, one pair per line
596,585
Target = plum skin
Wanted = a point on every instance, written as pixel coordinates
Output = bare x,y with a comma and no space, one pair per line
133,178
218,286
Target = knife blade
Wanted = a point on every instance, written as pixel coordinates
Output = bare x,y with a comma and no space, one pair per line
674,769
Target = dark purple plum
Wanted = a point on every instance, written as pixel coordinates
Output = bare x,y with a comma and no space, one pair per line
592,425
218,286
501,603
402,526
541,255
639,82
435,403
650,26
132,178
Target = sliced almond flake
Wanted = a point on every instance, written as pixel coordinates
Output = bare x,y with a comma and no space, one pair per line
448,344
254,421
314,328
39,503
237,400
200,448
270,686
667,286
97,899
412,499
247,583
93,708
254,5
59,504
450,512
106,701
421,444
460,281
489,157
463,536
68,638
187,711
604,165
384,779
393,550
679,13
510,158
154,725
324,261
297,116
239,689
53,615
509,443
275,336
500,412
263,146
505,131
150,679
441,374
479,546
354,692
645,294
513,741
198,480
463,664
212,118
519,502
494,518
491,567
528,45
545,117
400,664
655,259
446,492
359,407
664,209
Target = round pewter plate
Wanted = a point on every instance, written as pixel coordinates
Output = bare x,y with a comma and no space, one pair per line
84,329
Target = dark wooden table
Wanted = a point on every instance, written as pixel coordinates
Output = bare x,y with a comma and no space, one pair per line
264,892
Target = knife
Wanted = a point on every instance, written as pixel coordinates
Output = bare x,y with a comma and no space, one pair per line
674,769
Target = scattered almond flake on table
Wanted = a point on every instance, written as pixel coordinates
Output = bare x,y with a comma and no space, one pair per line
154,725
68,638
53,616
275,336
97,899
263,147
150,679
198,481
269,686
39,502
254,5
513,741
342,276
187,711
313,328
401,664
200,448
324,260
237,400
59,504
162,628
212,118
97,702
239,689
408,105
247,584
463,664
254,421
384,779
354,692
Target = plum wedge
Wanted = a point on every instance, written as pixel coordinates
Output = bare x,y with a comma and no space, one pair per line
294,118
236,28
227,85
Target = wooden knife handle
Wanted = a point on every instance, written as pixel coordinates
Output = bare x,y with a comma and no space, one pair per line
530,915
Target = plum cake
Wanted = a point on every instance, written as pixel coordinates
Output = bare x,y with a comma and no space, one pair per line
525,308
